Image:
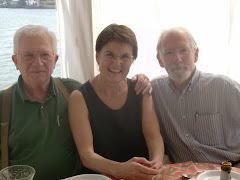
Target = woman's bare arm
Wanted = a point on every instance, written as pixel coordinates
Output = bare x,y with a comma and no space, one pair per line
151,131
82,133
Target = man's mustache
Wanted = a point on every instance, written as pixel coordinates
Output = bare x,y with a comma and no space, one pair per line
175,66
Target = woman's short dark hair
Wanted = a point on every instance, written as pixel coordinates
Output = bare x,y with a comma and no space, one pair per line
117,32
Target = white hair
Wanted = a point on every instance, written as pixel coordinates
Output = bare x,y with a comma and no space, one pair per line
34,30
165,31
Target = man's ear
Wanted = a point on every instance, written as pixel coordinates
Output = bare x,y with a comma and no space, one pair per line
55,59
160,60
14,59
196,55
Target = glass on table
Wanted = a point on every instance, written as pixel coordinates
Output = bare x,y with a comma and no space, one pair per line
17,172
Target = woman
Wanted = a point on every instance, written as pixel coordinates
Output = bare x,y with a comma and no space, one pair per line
109,122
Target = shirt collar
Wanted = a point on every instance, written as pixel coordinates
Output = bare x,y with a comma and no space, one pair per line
190,85
195,78
20,89
51,90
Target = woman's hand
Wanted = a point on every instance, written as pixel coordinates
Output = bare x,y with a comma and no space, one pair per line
156,164
137,169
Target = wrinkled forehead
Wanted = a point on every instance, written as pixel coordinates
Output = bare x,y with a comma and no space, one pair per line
35,42
32,37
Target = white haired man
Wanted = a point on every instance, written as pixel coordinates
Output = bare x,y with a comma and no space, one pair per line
198,112
39,134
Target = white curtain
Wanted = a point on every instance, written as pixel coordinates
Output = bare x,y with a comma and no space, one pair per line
76,39
234,40
214,24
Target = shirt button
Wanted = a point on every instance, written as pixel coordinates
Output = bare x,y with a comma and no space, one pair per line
183,116
42,107
187,135
190,89
194,149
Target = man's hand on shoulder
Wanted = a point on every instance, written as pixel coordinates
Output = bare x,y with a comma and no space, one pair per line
143,84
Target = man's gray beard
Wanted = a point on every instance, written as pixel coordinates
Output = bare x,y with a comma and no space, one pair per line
180,77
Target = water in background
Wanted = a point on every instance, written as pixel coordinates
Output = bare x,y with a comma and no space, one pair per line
10,21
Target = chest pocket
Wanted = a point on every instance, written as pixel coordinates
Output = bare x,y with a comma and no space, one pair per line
208,129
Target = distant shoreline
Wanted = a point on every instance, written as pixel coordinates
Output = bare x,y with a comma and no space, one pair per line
29,7
36,6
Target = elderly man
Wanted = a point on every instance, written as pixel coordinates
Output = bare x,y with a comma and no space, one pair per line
39,133
198,112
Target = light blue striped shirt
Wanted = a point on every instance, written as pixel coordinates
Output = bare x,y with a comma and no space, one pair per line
201,124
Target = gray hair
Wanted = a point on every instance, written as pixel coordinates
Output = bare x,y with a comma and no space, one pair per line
165,31
34,30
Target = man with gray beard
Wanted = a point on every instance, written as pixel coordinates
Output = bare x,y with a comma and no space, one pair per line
198,112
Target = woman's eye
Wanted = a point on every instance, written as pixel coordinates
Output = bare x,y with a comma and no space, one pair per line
109,55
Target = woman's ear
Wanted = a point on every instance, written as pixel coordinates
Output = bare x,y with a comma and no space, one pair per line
97,54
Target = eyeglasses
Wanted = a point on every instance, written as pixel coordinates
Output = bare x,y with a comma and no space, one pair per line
111,57
172,53
28,57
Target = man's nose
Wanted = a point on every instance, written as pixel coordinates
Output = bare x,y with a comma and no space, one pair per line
178,57
37,59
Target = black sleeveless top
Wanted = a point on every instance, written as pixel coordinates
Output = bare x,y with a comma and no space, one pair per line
117,134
